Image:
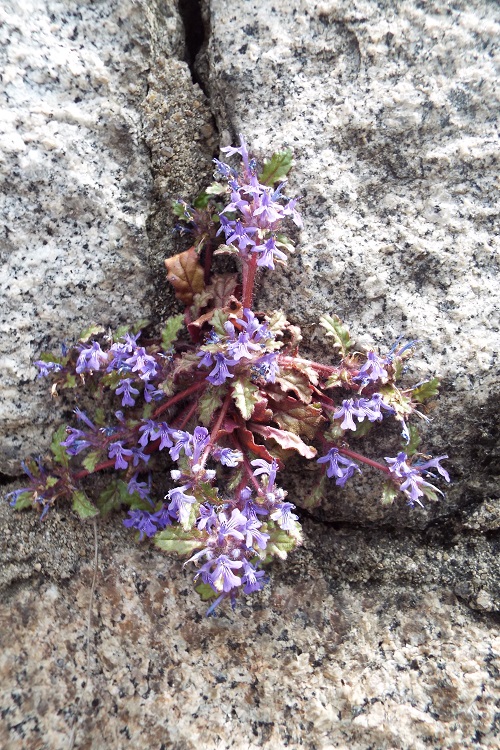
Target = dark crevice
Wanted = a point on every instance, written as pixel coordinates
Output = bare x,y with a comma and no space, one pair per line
194,30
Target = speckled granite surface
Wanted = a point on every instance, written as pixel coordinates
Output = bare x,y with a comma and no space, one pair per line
382,631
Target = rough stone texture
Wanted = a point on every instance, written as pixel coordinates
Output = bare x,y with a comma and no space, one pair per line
361,642
374,634
77,181
391,111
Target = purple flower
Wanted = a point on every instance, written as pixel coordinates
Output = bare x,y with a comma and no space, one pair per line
223,169
119,453
149,432
284,517
128,391
142,363
268,212
239,235
254,580
138,455
90,358
290,210
413,482
143,521
222,578
371,408
142,489
231,526
180,504
207,519
83,418
338,466
162,517
241,150
151,393
263,467
252,534
348,411
373,369
268,252
76,441
243,348
267,367
220,373
46,368
183,442
434,463
228,457
13,497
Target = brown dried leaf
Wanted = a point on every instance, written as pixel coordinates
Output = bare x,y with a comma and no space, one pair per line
296,382
246,439
285,439
186,275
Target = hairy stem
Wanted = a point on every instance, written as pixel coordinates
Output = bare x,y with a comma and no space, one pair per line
363,459
249,271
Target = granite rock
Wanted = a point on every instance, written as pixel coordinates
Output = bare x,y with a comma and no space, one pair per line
391,112
79,100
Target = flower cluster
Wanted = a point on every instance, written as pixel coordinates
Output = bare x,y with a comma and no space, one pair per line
212,416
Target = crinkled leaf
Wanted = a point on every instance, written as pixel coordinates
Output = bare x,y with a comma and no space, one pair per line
91,460
334,381
277,322
223,286
186,275
171,331
209,402
236,478
334,432
315,497
247,441
99,417
261,413
296,382
245,395
309,371
218,320
431,493
58,450
389,492
415,440
280,542
112,497
183,366
301,419
338,331
426,390
69,381
177,539
82,505
217,188
208,493
205,592
25,500
277,167
287,440
89,332
51,482
399,402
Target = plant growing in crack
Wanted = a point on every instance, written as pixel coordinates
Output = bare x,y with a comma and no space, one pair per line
229,403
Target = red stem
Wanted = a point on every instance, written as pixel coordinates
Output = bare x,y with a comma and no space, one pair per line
363,459
216,428
249,271
315,365
247,465
179,397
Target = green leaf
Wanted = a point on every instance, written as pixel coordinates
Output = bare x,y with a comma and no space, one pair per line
245,395
99,417
58,450
389,492
82,505
316,496
334,381
362,429
281,542
431,493
111,497
89,332
338,331
57,358
177,539
236,478
426,390
25,500
415,440
209,403
205,591
91,460
276,323
209,493
276,167
334,432
170,332
217,322
70,381
226,250
51,482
